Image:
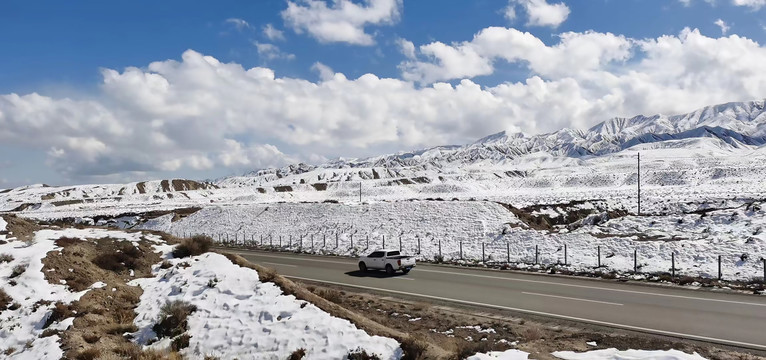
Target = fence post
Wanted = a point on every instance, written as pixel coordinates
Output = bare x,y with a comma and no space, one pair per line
599,256
461,249
482,253
261,239
280,241
312,242
324,241
635,260
352,241
764,270
565,255
418,245
400,243
672,265
720,274
336,239
537,255
384,241
508,252
368,242
290,241
440,248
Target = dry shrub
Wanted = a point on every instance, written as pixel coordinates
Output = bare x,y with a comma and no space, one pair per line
413,348
181,342
5,300
297,354
464,349
89,354
267,275
15,306
67,241
193,246
49,332
126,255
166,265
6,258
533,333
58,313
91,338
124,315
9,351
361,354
18,270
172,319
331,295
119,329
211,357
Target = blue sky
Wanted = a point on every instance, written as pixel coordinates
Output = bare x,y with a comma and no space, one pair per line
62,120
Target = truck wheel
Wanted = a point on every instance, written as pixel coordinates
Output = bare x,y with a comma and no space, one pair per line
362,266
405,270
390,269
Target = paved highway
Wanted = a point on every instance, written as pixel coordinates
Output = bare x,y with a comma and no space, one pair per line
732,319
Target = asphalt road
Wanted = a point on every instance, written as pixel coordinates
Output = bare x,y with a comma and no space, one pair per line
731,319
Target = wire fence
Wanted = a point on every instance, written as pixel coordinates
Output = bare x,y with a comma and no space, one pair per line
641,259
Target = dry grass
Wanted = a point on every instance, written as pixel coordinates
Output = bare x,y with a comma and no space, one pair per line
360,354
5,300
464,349
17,271
89,354
331,295
533,333
91,338
297,354
6,258
414,348
67,241
58,313
124,256
193,246
172,319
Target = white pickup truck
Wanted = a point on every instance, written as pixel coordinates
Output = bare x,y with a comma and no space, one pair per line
385,259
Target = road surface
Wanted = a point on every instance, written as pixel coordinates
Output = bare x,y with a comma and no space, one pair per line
731,319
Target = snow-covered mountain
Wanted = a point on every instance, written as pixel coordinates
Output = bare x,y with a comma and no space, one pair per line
731,126
713,153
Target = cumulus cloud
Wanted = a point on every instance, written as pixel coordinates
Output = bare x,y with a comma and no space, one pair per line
753,4
273,33
406,47
199,113
539,12
574,54
240,24
722,24
343,21
271,52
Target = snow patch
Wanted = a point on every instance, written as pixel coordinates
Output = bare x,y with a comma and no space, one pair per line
614,354
243,317
512,354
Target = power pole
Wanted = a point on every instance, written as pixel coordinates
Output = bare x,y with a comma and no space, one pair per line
360,192
638,172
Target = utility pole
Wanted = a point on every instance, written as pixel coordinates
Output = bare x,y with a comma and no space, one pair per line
638,172
360,192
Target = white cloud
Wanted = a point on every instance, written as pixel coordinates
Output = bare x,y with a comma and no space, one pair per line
325,72
575,53
539,12
271,52
273,33
722,24
199,113
238,23
753,4
406,47
343,21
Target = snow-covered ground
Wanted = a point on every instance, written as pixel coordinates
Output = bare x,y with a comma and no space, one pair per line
606,354
20,329
695,241
239,316
614,354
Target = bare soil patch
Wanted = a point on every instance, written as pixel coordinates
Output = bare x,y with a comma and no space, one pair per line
104,315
